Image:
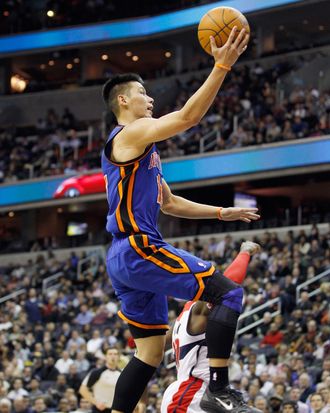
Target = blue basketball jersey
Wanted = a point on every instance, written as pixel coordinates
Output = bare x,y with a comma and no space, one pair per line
134,192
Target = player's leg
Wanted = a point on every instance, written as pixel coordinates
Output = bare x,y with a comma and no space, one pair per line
226,297
136,375
236,271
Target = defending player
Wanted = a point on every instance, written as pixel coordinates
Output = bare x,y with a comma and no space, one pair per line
189,346
143,268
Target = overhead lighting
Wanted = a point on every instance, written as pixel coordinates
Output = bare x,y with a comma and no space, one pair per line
135,58
50,13
69,66
104,57
128,53
76,60
11,214
43,66
51,63
168,54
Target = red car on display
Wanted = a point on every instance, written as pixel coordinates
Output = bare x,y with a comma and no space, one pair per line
80,185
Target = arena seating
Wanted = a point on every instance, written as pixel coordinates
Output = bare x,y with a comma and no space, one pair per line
245,113
287,357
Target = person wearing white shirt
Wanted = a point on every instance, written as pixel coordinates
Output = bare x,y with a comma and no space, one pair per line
95,342
64,363
18,390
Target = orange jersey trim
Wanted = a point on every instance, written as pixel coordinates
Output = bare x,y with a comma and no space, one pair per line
130,197
199,276
120,192
184,268
145,326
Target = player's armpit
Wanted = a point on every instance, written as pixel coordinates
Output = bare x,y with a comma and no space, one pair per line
148,130
167,197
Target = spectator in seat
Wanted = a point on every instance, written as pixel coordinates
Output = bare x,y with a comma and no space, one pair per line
305,386
273,337
5,405
18,390
39,405
317,403
294,395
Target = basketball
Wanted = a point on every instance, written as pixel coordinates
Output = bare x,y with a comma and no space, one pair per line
218,23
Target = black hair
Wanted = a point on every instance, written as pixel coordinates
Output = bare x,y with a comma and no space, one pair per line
291,403
112,88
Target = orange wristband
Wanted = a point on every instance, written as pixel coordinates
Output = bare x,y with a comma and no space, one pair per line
219,214
220,66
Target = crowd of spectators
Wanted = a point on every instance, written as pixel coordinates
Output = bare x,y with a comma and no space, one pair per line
21,16
51,339
246,112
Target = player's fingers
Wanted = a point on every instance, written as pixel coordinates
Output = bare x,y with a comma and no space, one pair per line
252,216
243,45
239,38
249,210
245,220
231,36
213,44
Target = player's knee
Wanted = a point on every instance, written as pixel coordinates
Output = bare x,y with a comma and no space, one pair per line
220,288
153,357
234,299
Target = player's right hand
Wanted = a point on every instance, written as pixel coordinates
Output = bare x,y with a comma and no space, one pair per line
232,49
100,406
239,214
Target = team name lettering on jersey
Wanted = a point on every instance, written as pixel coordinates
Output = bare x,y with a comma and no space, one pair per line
155,161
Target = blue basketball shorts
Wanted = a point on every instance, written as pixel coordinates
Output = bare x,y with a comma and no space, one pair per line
144,271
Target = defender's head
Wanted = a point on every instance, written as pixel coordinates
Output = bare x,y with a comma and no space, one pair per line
125,95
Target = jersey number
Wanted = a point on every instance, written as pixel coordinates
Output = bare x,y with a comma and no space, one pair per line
106,183
176,349
160,190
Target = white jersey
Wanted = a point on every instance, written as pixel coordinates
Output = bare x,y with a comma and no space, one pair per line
190,351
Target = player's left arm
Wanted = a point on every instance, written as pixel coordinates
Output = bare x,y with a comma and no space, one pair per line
183,208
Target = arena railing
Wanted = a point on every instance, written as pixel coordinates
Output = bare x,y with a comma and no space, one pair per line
48,283
311,281
91,262
12,295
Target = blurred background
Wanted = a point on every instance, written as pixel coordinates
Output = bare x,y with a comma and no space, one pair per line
265,142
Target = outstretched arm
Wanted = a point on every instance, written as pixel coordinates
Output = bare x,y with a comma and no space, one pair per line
150,130
183,208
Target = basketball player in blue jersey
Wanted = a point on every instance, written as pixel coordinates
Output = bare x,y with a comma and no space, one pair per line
143,268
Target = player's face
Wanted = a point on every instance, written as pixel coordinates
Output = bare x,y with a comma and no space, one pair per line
139,102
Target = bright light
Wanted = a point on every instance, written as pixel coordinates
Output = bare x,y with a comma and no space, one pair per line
168,54
50,13
69,66
51,63
128,53
135,58
104,57
11,214
76,60
17,83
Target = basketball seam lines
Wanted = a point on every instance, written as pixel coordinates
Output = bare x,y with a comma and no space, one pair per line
221,29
